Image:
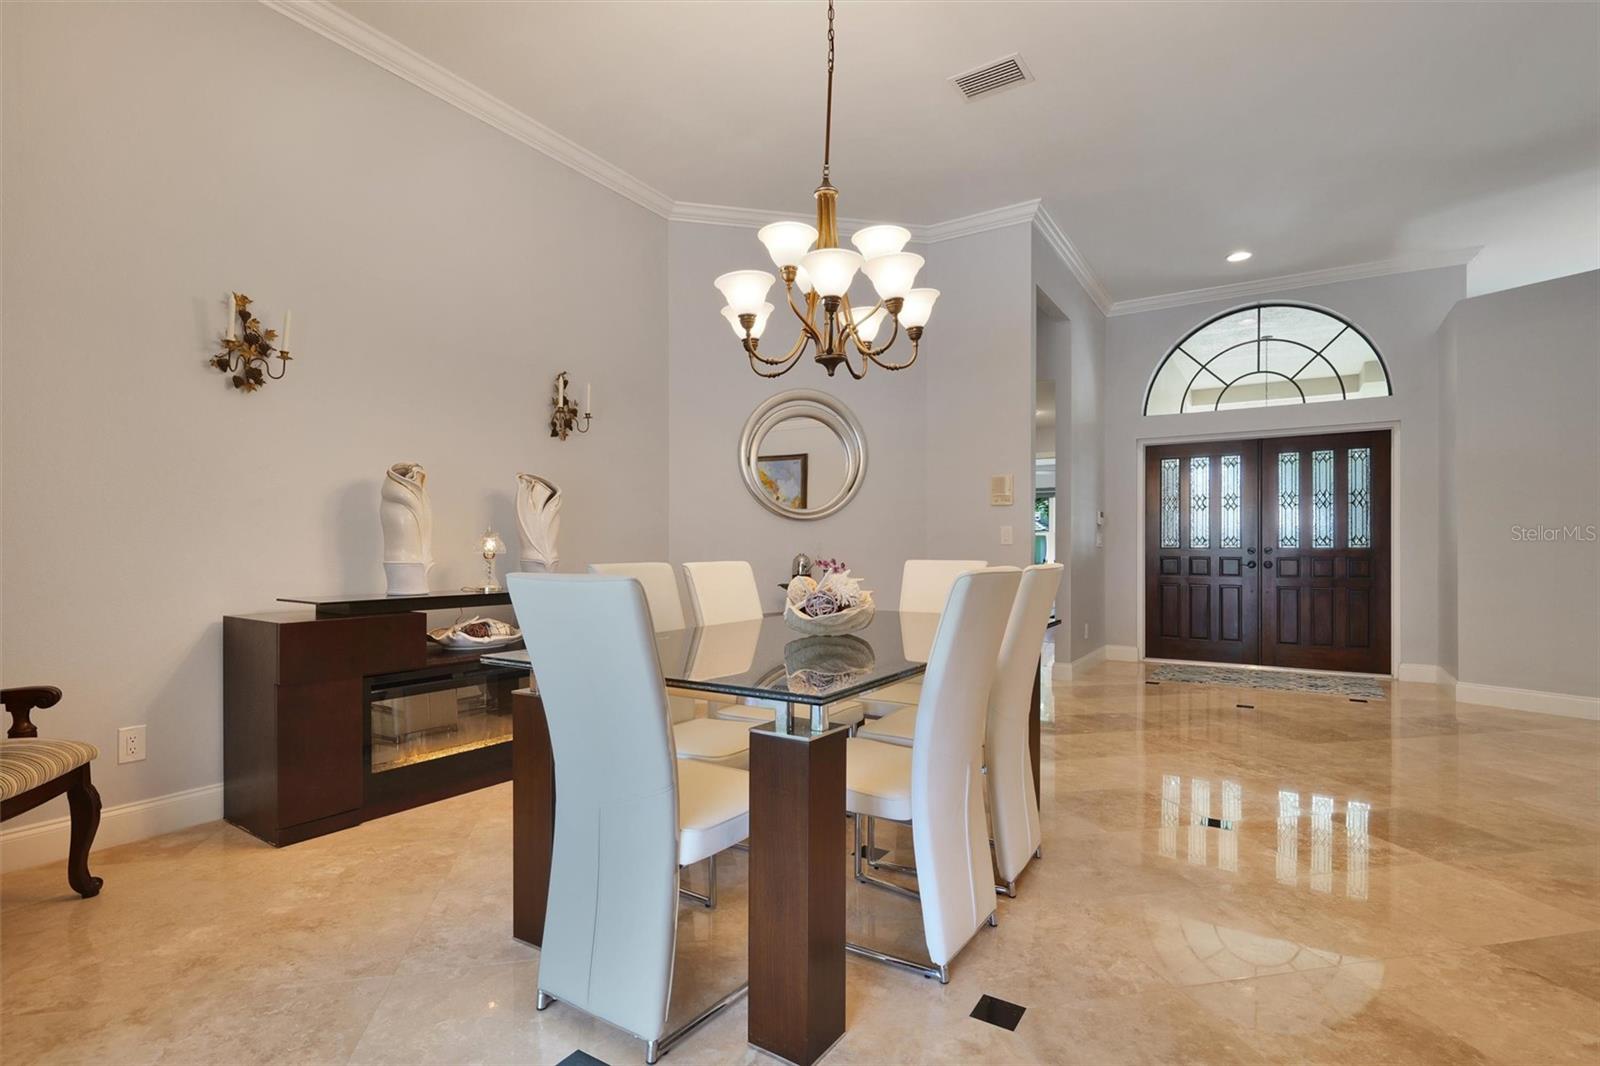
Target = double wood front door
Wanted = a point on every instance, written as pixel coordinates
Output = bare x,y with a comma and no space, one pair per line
1271,552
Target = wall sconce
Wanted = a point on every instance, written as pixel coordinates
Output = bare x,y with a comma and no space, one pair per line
490,544
248,357
565,419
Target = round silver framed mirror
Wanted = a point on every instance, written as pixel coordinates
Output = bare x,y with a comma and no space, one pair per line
803,454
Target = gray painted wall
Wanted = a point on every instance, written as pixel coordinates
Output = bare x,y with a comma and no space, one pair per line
440,274
1074,345
1402,314
1527,455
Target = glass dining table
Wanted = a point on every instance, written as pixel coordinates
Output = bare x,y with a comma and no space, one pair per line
765,659
798,846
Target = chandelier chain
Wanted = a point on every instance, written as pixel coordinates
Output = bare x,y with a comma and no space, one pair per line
827,128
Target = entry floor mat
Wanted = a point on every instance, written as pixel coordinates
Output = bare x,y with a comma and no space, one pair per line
1363,688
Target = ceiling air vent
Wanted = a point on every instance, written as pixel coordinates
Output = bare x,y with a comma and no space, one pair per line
992,77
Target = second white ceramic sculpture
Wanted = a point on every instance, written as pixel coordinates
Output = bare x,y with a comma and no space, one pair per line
538,521
407,518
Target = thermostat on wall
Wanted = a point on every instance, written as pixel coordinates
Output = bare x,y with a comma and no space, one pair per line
1000,490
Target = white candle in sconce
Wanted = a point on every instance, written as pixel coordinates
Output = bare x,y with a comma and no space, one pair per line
231,316
283,341
588,398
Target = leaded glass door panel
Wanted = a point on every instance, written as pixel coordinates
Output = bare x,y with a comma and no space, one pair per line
1325,552
1201,530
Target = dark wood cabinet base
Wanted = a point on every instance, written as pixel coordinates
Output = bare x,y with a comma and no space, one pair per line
296,723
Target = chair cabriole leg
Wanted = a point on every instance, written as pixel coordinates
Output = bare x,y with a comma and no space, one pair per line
84,802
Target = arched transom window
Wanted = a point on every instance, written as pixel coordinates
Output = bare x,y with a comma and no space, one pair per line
1266,356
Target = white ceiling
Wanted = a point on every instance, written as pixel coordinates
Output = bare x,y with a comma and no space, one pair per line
1160,137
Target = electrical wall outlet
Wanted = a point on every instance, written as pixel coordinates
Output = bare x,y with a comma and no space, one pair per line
130,744
1005,534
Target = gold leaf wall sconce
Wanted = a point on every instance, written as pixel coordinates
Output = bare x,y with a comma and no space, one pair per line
248,348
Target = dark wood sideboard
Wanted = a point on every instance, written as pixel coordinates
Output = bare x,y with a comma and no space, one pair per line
297,722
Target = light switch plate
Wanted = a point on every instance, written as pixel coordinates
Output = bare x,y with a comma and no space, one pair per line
1005,534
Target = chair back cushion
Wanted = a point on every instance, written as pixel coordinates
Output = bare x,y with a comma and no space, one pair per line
25,764
611,921
723,592
1013,810
925,583
660,590
950,834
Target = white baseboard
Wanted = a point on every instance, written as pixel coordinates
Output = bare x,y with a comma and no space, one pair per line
1122,653
1527,699
42,842
1067,671
1423,673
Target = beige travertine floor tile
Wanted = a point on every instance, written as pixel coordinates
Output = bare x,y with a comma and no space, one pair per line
1571,961
1509,1013
1442,905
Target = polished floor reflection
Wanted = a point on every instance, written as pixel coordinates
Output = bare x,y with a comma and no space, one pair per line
1301,879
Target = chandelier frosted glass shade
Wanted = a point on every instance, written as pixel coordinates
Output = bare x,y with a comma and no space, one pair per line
745,290
880,240
893,275
918,308
787,242
831,270
762,314
867,322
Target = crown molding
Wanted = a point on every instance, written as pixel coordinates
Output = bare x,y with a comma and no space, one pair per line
1063,247
342,28
339,26
1400,264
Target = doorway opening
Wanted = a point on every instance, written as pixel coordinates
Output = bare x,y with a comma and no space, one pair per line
1271,552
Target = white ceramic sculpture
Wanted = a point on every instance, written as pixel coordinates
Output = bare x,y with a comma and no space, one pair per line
538,521
407,518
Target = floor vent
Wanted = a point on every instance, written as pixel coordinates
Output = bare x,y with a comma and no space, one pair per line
992,77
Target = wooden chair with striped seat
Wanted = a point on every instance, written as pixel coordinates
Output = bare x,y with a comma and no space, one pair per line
34,771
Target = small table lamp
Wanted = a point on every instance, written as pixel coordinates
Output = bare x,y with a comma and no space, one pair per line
490,545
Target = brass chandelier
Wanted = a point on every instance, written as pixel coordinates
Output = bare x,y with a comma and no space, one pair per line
822,276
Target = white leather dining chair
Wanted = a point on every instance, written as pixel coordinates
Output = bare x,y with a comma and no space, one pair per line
628,814
698,734
1008,767
666,613
935,784
1008,770
924,588
724,592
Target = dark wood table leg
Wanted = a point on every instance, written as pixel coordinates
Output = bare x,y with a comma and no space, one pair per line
533,815
1033,733
797,892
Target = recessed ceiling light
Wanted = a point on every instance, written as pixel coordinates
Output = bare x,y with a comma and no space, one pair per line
1239,256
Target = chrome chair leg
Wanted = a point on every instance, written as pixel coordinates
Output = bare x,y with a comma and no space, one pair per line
861,875
543,1000
1008,889
994,919
925,969
1038,852
872,846
709,900
658,1047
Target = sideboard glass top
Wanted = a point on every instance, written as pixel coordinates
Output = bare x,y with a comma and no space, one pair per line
384,603
765,659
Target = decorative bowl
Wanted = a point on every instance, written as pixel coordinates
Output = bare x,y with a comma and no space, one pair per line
846,621
499,635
